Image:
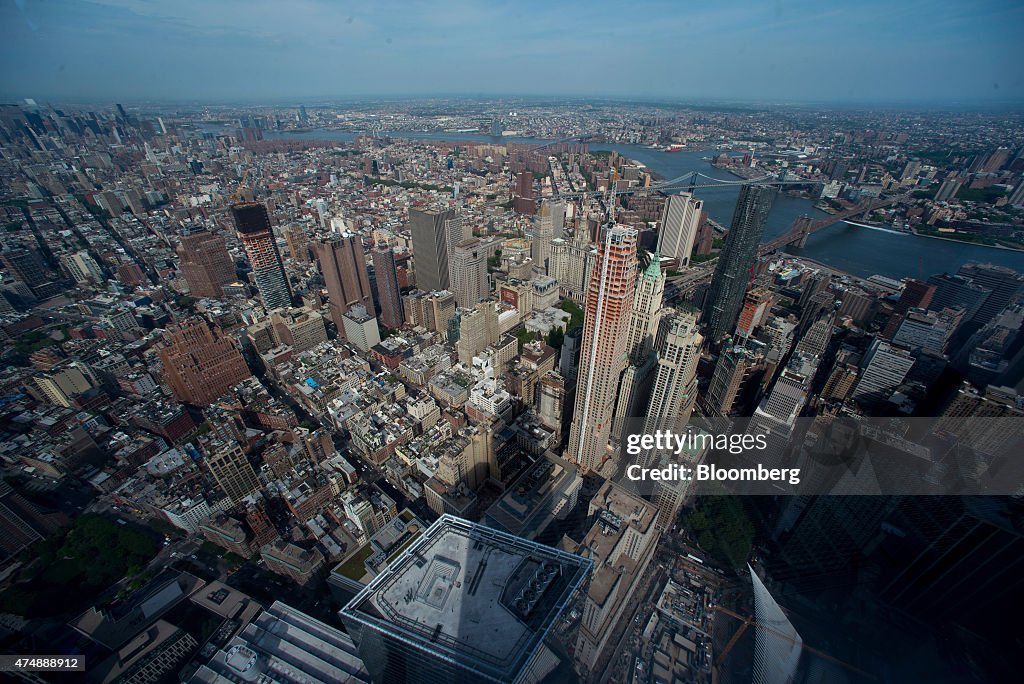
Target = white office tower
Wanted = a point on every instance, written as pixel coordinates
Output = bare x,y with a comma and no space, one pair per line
680,220
603,352
778,412
571,263
643,322
672,397
884,369
675,385
546,227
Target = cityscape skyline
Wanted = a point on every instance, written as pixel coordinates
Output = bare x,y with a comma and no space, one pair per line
795,51
510,389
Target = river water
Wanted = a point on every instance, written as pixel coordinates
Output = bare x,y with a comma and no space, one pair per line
857,250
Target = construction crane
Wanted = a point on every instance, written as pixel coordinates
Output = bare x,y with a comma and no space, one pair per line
236,196
749,620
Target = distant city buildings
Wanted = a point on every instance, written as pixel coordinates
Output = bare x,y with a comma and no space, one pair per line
293,414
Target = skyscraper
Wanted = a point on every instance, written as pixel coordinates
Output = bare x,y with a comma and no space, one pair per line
343,264
83,268
469,273
621,543
680,220
21,523
571,263
915,294
478,328
547,226
737,258
643,327
953,291
643,320
885,367
26,266
996,160
756,304
253,224
200,363
282,639
522,194
949,188
778,412
1004,283
431,231
298,242
569,356
603,351
361,328
736,373
205,263
675,386
388,293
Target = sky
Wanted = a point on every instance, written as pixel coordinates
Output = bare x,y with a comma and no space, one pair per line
844,51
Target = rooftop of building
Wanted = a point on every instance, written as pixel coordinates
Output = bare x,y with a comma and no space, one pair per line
285,645
464,590
522,509
116,625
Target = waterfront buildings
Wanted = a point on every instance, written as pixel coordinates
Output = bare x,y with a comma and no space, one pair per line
732,272
680,221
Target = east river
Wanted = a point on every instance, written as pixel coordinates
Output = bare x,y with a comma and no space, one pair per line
857,250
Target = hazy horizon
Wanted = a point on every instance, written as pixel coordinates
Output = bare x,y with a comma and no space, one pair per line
233,51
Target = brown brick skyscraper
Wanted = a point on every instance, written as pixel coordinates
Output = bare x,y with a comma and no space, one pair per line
205,263
343,264
392,314
200,362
